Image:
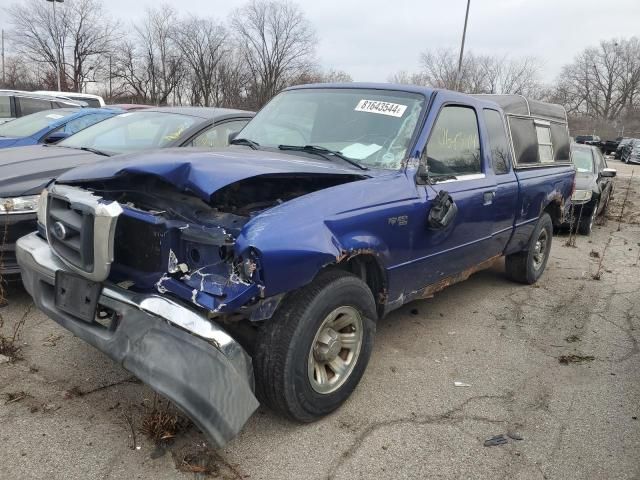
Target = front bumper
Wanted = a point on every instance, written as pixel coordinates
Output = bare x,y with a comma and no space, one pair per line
171,347
12,227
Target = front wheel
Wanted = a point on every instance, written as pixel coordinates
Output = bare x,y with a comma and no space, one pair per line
313,352
528,266
585,226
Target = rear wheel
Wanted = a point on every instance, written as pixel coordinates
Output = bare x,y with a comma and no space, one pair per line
313,352
528,266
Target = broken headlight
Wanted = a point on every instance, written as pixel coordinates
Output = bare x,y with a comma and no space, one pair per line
25,204
581,195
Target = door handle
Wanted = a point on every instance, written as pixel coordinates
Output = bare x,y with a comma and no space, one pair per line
487,198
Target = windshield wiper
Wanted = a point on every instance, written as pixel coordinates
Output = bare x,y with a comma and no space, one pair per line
323,152
94,150
245,141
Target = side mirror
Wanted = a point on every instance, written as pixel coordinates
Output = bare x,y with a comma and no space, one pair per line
609,172
443,211
55,137
232,135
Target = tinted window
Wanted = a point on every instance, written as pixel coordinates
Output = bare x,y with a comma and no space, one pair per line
5,106
217,136
454,145
560,141
525,142
32,105
500,150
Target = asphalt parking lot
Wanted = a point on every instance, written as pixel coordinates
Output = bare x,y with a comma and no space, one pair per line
66,411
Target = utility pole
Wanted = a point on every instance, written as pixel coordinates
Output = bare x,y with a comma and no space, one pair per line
3,75
464,34
110,92
55,23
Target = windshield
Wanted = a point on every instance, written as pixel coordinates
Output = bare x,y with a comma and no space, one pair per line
30,124
583,160
132,131
370,127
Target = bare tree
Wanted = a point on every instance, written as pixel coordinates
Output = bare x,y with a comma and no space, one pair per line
602,81
202,44
18,75
76,42
276,42
479,73
149,64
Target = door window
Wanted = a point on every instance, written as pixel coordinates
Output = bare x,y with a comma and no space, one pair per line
454,145
218,135
498,142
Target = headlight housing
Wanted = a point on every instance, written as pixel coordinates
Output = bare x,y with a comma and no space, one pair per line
24,204
581,195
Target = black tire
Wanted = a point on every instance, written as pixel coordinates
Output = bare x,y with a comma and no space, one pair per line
585,225
526,266
284,346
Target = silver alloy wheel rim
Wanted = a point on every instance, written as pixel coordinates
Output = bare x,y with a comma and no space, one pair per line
540,249
335,349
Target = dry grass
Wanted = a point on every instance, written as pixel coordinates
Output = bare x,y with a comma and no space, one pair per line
9,343
161,425
206,462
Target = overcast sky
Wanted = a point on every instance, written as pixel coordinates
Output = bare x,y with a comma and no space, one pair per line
371,39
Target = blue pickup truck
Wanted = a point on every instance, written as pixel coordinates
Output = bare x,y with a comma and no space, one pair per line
258,272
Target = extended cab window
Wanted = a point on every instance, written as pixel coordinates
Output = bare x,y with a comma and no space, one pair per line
500,151
454,145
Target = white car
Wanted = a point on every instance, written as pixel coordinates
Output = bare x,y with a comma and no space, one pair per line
94,101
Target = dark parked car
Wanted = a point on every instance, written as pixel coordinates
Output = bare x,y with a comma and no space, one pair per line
634,153
609,147
340,204
51,126
594,186
16,104
630,151
589,140
621,145
24,171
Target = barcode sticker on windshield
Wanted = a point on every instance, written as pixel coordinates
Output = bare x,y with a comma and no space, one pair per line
383,108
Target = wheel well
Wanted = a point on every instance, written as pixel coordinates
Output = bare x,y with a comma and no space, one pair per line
369,270
555,212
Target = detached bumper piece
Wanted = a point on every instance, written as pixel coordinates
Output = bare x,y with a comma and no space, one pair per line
172,348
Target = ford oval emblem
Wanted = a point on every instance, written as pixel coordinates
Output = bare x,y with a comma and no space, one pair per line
59,231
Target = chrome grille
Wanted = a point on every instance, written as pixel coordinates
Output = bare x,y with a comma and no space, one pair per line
80,229
70,233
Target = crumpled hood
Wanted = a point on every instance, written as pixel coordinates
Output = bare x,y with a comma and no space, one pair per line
26,170
205,172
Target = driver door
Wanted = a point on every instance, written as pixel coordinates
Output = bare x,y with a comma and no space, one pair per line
456,165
